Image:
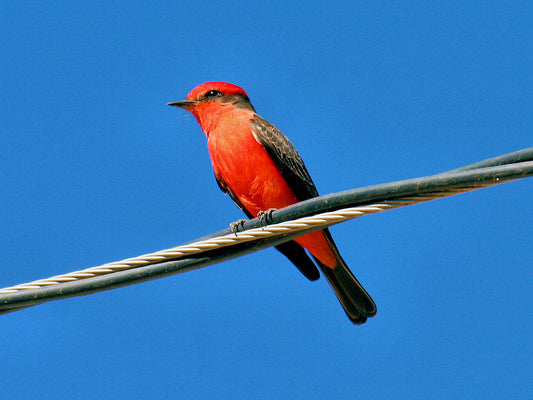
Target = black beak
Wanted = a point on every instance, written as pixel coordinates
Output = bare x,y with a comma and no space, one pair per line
182,104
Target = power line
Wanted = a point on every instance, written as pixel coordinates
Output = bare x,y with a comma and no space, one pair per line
286,224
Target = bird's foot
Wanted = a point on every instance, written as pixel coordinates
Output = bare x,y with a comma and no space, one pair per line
265,217
237,226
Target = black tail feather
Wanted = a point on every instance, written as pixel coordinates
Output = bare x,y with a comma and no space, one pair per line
296,253
356,302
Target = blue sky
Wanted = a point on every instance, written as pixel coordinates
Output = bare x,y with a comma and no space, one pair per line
96,168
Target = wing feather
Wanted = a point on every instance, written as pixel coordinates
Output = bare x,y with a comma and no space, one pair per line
285,157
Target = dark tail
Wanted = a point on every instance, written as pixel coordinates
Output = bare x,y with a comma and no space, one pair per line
356,302
296,253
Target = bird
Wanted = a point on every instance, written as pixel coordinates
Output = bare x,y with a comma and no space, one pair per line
261,170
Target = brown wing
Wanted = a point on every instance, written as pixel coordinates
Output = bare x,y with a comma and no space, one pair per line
353,297
285,157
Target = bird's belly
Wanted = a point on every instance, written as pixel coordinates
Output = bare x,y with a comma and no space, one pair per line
249,172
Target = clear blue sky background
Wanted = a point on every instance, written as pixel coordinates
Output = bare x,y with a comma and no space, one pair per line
96,168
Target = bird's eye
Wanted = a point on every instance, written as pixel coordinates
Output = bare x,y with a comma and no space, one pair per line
213,93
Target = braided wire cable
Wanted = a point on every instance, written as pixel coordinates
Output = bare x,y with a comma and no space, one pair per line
318,221
287,223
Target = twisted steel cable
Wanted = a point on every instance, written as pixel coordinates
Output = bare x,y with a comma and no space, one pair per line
288,223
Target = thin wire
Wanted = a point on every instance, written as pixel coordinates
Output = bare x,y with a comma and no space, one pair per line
318,221
288,223
321,220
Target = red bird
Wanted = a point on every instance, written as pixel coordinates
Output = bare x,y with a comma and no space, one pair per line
260,169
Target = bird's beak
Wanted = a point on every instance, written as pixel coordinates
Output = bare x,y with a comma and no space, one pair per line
182,104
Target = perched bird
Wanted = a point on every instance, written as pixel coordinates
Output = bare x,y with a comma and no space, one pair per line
261,170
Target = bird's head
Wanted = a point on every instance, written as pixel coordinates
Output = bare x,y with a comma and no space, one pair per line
213,98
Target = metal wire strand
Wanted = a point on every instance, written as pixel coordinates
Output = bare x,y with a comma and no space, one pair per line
290,222
319,221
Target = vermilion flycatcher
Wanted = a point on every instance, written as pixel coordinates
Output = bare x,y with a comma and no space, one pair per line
261,170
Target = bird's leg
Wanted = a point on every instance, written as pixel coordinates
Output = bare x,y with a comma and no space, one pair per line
265,217
237,226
